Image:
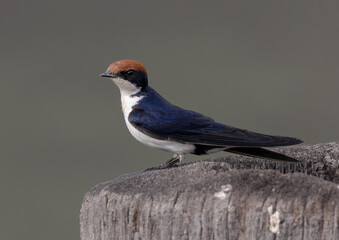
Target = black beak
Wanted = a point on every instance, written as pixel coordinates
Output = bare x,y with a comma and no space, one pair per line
108,74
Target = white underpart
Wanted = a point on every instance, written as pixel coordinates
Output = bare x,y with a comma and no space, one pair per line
127,89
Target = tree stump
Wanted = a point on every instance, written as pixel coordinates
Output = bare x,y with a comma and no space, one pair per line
224,198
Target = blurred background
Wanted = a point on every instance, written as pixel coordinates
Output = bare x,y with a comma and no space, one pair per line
266,66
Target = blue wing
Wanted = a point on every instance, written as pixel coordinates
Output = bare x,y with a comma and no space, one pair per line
159,119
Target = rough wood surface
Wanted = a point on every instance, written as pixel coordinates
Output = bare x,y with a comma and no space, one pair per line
221,199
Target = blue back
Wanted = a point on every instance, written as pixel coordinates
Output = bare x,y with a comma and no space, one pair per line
158,118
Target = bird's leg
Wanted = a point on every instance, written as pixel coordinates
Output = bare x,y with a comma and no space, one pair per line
175,159
169,163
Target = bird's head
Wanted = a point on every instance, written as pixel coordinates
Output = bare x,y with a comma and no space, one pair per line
129,75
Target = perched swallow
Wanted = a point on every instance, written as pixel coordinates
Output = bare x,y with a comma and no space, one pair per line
155,122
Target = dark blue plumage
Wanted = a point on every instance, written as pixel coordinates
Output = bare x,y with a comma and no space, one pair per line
154,121
156,117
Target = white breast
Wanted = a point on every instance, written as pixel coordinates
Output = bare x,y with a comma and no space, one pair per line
127,103
170,146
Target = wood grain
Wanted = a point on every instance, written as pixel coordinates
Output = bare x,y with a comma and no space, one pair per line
221,199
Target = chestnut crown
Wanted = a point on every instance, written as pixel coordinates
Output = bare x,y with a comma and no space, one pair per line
129,70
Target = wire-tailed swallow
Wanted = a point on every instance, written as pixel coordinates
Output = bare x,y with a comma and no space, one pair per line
155,122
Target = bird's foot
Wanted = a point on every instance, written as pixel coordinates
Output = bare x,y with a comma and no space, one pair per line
172,162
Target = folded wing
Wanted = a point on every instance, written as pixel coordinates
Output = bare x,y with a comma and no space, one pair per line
180,125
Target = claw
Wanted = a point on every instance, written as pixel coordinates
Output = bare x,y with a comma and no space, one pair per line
169,163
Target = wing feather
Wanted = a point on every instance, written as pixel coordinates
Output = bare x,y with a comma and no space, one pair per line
186,126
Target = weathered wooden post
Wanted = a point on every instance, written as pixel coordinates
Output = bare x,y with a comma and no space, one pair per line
229,198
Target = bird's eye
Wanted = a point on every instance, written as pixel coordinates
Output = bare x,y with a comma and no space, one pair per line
129,73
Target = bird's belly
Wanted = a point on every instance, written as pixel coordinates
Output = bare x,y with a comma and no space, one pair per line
170,146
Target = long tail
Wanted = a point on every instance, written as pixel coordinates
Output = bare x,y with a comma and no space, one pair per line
261,152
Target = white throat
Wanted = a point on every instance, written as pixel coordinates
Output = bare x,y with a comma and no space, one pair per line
127,90
125,87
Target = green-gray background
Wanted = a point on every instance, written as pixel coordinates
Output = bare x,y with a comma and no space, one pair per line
268,66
